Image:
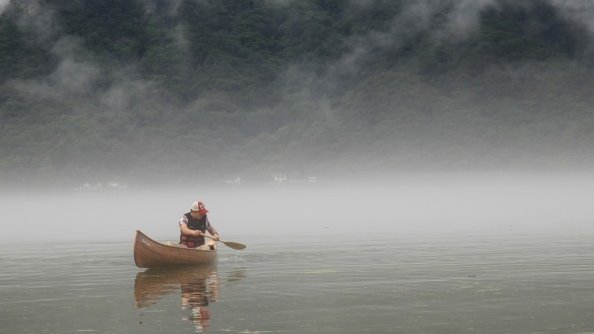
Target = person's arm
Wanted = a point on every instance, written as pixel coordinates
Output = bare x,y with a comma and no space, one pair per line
183,226
211,230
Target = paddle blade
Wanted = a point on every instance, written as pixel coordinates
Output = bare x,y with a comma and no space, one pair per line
234,245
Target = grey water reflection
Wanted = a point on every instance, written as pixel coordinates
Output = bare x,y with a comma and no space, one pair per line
198,288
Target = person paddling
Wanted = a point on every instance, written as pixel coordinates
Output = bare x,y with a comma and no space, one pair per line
193,226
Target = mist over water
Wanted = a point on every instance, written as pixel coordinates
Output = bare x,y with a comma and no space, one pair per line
421,204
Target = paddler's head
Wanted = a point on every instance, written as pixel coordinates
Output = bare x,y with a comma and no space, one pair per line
198,210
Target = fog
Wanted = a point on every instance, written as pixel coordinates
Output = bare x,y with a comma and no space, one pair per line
401,132
401,206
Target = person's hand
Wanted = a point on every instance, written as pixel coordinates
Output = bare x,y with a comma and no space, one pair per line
198,234
215,237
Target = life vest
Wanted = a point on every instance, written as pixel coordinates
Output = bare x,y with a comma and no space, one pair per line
193,224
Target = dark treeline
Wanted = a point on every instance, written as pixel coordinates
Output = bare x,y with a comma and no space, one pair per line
129,89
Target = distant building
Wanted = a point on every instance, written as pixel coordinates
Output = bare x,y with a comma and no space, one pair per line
279,178
90,187
236,181
112,185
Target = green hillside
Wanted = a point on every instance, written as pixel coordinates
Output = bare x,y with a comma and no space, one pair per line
159,90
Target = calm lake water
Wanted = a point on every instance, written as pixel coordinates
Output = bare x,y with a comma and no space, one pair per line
422,284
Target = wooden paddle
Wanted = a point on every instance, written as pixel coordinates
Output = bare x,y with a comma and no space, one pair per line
230,244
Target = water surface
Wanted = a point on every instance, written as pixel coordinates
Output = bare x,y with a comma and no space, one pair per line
387,284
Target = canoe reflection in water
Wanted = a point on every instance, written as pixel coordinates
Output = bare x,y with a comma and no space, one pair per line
199,288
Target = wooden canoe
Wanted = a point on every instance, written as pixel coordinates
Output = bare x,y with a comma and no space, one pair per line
149,253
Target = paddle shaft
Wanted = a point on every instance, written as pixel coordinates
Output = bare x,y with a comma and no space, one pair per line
230,244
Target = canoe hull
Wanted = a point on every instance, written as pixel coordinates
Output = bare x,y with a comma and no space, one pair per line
149,253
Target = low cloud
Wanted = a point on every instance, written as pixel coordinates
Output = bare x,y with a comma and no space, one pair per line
72,77
3,5
169,7
581,11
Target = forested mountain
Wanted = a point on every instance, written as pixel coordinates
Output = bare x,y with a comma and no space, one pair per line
165,89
